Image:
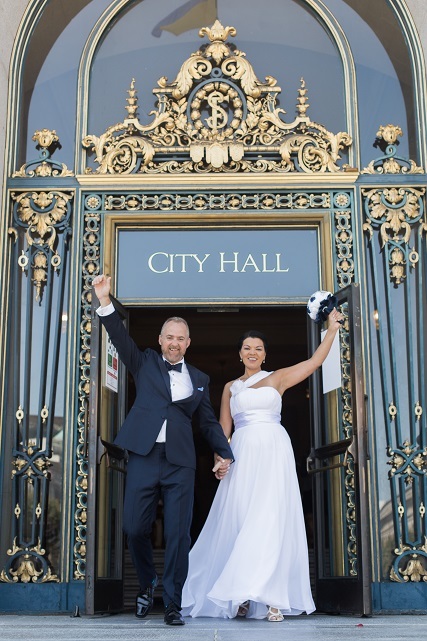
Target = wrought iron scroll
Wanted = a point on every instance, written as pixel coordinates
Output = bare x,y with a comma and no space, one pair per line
44,166
91,258
39,234
349,506
216,116
343,207
397,256
390,162
396,211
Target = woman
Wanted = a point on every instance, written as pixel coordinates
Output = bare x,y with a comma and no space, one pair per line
251,557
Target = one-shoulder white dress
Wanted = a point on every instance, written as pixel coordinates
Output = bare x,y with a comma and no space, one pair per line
253,545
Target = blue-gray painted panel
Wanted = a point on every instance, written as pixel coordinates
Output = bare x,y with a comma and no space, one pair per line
212,265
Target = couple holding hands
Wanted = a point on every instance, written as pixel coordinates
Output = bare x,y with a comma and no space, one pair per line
251,557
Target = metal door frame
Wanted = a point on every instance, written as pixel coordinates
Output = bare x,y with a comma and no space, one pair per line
102,595
351,593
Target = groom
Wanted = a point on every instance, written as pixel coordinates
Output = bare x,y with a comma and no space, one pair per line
158,436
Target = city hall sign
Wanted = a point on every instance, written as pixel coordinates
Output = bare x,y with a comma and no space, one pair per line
213,266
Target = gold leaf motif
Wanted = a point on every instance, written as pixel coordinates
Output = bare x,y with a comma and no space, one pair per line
200,123
396,210
45,137
415,570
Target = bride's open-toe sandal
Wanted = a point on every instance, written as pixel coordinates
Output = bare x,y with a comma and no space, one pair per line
274,614
243,609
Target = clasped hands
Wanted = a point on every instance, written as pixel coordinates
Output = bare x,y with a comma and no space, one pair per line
221,467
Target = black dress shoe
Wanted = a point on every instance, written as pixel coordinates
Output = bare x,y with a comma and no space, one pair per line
173,615
144,600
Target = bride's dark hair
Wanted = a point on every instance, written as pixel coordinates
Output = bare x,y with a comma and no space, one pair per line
252,333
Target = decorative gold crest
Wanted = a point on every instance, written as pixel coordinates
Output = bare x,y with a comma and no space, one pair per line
216,116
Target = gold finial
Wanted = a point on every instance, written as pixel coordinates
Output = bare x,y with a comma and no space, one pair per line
389,133
132,101
302,104
45,137
217,32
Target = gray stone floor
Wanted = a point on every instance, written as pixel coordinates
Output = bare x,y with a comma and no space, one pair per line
125,627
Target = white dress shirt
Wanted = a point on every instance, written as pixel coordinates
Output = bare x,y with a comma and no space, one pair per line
181,385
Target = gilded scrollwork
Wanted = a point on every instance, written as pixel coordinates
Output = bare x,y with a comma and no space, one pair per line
43,214
43,167
90,267
410,564
395,211
27,565
408,461
217,116
390,163
39,238
292,199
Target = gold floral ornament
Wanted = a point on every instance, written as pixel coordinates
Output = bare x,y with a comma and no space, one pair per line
395,211
217,116
27,565
42,167
415,569
390,163
42,215
408,461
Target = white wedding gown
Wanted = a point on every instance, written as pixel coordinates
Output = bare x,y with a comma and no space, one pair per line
253,544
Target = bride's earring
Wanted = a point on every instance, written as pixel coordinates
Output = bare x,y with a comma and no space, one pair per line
263,360
241,360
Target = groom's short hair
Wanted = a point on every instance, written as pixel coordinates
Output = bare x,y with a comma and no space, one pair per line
175,319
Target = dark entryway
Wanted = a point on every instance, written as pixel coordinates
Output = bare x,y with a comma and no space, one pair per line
213,349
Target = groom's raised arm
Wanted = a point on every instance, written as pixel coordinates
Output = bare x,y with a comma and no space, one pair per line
128,351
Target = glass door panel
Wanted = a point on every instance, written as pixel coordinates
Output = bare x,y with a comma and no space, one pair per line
105,548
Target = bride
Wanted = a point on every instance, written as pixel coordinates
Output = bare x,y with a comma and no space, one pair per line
251,557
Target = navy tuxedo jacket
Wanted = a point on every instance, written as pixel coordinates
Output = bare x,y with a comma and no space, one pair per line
153,404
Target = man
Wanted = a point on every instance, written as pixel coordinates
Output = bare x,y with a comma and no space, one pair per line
157,434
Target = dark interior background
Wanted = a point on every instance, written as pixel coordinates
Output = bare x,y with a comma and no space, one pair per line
214,337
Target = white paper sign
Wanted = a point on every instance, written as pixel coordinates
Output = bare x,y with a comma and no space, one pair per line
111,366
331,368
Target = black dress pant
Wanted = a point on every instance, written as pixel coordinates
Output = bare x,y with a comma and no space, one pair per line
148,479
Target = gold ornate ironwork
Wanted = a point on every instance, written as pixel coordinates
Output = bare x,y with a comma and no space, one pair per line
407,460
202,201
395,211
30,566
42,214
343,240
91,256
43,167
408,463
216,116
415,569
390,163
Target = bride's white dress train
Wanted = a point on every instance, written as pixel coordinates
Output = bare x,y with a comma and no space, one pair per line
253,544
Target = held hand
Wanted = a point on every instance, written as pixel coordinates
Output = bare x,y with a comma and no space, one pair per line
335,319
102,287
221,467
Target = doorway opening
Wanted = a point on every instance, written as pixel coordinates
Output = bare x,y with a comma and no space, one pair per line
214,336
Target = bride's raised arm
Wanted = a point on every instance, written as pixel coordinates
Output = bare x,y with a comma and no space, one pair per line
290,376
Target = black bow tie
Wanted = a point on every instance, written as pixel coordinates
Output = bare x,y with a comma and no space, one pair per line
177,367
